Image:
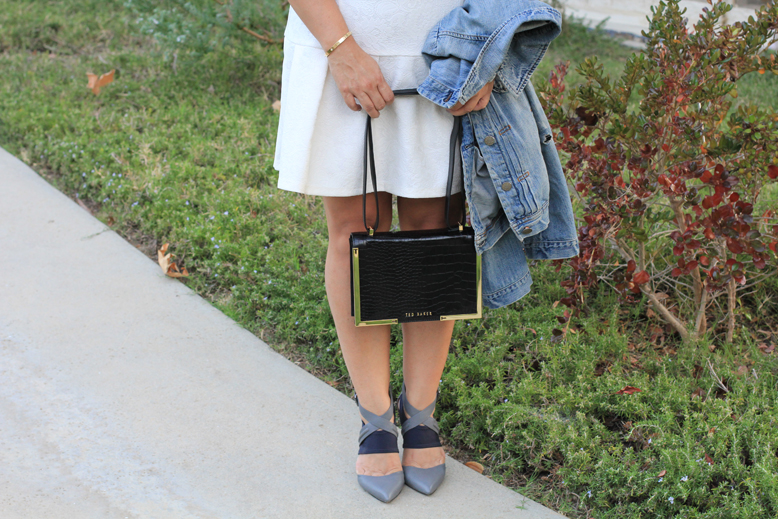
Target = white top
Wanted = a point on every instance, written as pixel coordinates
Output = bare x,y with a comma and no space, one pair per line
320,142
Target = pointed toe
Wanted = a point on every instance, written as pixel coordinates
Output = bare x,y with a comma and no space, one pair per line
425,481
383,488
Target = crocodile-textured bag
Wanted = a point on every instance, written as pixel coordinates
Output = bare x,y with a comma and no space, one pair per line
406,276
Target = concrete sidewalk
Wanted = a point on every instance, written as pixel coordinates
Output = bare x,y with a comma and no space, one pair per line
124,394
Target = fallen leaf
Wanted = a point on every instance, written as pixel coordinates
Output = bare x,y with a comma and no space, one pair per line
628,390
711,431
708,459
96,83
83,205
698,393
662,474
168,267
475,466
276,105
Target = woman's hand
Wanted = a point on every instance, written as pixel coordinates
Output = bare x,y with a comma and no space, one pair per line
475,103
356,73
359,77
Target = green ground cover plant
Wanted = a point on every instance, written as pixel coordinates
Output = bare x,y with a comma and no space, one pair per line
178,149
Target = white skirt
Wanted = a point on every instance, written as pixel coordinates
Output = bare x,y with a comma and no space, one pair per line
320,141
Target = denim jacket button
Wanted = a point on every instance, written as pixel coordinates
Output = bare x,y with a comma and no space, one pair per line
489,140
506,186
526,230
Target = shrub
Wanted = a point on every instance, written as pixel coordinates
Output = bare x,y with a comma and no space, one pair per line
670,191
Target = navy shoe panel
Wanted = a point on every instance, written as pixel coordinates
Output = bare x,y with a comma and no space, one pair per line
421,437
379,442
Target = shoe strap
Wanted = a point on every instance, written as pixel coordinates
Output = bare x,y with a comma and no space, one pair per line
417,417
375,422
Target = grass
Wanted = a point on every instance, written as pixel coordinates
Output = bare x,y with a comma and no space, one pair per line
180,151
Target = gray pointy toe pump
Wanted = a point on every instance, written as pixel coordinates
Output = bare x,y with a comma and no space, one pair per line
379,435
420,431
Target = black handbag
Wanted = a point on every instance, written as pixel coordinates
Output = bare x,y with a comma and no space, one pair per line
407,276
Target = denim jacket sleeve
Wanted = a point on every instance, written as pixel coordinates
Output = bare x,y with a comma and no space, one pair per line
469,46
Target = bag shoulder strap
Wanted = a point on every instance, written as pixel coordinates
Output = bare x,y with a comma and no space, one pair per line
369,157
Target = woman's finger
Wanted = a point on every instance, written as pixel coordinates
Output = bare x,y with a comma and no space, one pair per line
375,97
377,100
481,104
386,91
467,107
477,102
351,102
367,104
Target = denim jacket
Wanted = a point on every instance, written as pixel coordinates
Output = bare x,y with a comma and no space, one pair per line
519,203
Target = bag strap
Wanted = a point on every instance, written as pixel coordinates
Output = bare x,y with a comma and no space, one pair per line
371,158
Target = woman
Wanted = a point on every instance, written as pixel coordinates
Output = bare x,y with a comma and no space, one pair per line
319,152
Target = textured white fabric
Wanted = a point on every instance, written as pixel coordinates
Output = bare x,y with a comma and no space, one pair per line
320,142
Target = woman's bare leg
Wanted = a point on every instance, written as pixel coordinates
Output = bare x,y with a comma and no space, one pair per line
425,344
365,349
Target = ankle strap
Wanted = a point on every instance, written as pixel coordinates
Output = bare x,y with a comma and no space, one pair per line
423,417
375,422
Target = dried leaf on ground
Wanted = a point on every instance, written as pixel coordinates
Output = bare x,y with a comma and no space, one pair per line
83,205
96,83
276,105
662,474
628,390
475,466
168,267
